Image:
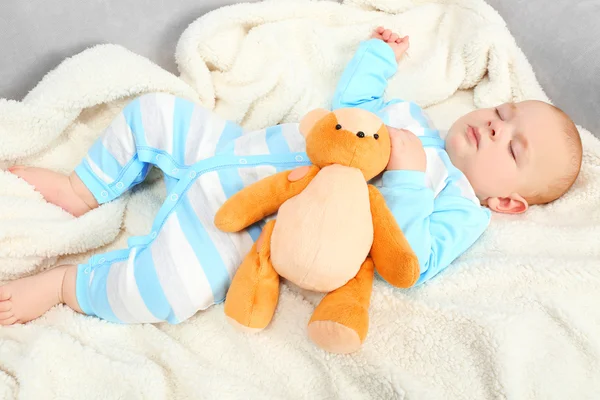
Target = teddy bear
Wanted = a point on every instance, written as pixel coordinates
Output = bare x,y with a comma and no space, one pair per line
331,232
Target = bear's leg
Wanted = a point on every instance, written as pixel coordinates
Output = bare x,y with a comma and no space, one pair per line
341,321
254,291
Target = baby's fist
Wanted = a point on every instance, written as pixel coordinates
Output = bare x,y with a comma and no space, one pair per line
398,44
407,151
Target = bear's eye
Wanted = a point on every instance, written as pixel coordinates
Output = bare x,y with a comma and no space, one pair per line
360,134
376,136
338,127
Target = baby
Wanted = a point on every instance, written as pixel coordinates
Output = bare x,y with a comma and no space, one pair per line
439,186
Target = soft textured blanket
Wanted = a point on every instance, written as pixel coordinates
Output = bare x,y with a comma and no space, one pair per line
515,317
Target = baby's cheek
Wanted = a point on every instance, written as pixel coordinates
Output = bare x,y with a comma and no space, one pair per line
482,174
493,176
453,142
455,147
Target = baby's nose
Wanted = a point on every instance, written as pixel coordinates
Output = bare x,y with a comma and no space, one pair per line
494,130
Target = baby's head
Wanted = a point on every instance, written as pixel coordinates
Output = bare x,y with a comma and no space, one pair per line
516,154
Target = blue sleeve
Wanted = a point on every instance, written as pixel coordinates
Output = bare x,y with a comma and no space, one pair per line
364,80
438,229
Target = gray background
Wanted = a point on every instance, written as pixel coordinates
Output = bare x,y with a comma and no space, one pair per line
559,37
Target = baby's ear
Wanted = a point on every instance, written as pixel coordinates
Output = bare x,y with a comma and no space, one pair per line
514,204
310,119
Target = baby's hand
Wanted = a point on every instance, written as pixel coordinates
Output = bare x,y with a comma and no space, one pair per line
399,45
407,151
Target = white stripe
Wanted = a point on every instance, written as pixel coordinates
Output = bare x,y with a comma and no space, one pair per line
415,128
399,115
466,189
157,117
118,140
123,293
436,173
116,293
252,144
179,271
252,175
205,131
99,173
221,240
294,138
232,246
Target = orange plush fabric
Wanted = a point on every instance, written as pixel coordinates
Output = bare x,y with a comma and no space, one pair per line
318,219
260,200
341,321
326,145
254,291
311,245
394,259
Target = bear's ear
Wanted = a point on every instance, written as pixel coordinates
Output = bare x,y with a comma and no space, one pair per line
310,119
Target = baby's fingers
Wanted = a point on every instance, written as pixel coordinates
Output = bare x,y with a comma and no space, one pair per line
403,44
377,32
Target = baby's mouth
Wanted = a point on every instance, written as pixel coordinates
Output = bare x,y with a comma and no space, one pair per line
473,135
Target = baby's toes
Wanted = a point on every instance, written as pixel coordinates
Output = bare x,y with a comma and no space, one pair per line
7,317
5,305
9,321
5,295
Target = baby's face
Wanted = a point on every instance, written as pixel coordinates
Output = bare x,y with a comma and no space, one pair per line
515,148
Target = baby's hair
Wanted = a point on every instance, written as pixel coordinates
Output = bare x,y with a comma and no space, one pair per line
563,183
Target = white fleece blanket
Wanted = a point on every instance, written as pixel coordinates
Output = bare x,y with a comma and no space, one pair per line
516,317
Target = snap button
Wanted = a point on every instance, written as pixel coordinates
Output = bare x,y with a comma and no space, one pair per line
104,193
243,161
174,197
299,158
153,235
87,270
175,171
101,261
120,185
193,174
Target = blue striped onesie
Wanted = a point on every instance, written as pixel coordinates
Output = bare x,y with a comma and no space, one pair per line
185,264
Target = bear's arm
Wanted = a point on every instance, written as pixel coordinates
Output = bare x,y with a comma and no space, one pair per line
262,199
392,255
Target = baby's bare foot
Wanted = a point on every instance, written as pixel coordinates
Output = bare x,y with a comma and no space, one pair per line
28,298
67,192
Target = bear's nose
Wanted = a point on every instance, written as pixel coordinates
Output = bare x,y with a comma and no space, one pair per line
360,134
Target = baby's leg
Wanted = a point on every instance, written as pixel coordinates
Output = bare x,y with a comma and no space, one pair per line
67,192
28,298
135,285
111,166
